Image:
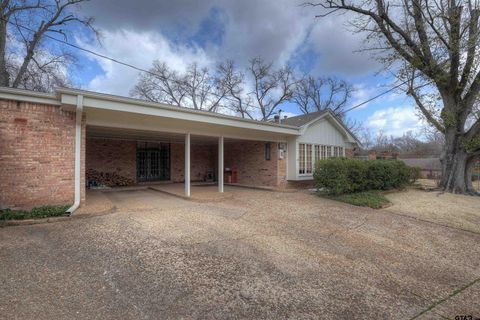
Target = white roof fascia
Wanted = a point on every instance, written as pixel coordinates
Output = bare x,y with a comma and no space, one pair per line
28,96
117,103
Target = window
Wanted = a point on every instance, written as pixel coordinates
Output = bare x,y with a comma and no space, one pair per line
317,153
301,160
268,151
308,166
305,158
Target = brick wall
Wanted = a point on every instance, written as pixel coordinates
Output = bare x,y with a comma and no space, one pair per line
36,155
349,153
248,157
109,155
202,159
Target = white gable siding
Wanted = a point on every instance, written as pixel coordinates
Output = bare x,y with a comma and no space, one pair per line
324,132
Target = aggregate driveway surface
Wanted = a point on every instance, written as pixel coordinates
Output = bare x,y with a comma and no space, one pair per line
258,255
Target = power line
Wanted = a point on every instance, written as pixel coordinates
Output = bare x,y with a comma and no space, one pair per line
375,97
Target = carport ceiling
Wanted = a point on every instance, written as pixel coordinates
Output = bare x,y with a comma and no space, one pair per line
141,135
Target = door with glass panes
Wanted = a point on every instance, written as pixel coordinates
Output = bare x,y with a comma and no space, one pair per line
153,161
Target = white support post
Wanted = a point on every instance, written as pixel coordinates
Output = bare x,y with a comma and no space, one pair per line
78,155
220,164
187,165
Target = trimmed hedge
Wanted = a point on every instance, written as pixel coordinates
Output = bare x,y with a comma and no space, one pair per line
343,175
35,213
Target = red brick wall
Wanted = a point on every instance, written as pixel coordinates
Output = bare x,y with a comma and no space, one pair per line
349,153
202,159
109,155
36,155
248,157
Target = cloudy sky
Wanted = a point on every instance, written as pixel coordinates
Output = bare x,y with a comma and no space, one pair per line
208,31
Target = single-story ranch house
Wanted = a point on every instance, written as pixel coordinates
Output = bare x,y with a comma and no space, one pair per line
49,141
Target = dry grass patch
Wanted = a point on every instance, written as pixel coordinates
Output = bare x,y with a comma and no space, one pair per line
453,210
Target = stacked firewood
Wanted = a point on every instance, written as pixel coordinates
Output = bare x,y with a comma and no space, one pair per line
110,179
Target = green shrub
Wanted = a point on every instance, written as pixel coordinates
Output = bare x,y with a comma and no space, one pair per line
38,212
373,199
387,174
342,176
415,173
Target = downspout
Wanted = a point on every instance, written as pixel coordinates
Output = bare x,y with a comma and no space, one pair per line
78,153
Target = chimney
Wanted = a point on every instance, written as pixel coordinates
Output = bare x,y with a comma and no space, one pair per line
277,118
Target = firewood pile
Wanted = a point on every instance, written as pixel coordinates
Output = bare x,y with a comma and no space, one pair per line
109,179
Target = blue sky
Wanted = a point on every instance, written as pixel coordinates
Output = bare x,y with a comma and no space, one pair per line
210,31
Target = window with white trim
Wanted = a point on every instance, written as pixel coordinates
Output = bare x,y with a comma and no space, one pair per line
301,158
308,157
324,152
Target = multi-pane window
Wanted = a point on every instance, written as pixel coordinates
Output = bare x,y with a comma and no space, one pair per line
324,152
318,156
338,151
309,153
301,153
308,166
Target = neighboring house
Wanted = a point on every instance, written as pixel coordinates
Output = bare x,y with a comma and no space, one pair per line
49,141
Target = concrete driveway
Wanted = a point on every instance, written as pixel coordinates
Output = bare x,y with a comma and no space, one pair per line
258,255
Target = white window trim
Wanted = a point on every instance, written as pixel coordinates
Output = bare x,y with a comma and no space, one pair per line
341,153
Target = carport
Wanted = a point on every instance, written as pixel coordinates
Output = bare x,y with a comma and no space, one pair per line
152,143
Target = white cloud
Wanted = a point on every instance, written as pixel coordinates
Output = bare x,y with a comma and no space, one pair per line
395,120
138,49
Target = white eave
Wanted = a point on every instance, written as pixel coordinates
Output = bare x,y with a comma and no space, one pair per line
67,98
28,96
123,104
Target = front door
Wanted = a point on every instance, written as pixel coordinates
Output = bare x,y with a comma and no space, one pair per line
153,161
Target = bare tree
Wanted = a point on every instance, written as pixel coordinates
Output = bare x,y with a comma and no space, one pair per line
233,81
438,42
161,84
316,94
271,87
195,88
203,91
29,23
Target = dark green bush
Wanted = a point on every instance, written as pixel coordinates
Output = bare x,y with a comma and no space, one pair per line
387,174
342,175
38,212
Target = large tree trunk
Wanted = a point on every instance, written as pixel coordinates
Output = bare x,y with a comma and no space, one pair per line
454,164
468,175
4,75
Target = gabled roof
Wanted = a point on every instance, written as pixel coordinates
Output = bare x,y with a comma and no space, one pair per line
305,119
301,120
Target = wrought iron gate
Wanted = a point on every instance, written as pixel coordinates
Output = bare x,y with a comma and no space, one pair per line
153,161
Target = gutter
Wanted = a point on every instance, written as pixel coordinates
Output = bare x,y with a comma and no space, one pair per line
78,144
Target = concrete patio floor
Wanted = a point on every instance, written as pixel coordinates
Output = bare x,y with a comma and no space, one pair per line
257,255
200,192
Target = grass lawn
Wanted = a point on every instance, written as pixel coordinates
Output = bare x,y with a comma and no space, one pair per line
35,213
374,199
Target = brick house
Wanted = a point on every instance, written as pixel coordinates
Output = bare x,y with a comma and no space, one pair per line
49,141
